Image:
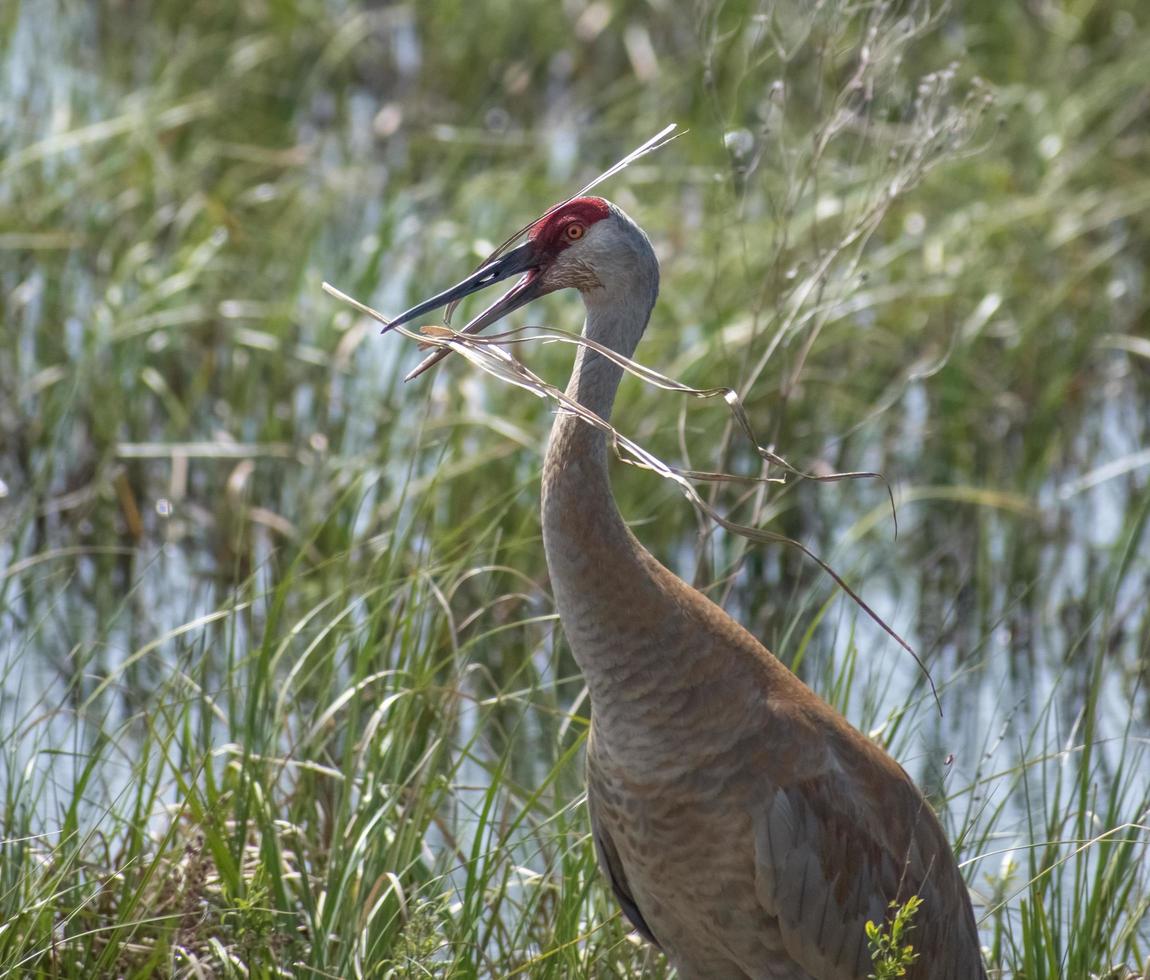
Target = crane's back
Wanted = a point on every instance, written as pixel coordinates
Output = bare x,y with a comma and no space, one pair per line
750,829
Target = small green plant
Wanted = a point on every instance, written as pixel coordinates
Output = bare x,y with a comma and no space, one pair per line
251,923
418,943
889,952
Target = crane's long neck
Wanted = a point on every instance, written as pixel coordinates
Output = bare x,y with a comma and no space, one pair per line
612,596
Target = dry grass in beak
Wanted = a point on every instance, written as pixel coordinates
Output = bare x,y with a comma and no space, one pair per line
487,353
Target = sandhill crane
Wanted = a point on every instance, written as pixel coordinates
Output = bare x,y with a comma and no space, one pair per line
745,827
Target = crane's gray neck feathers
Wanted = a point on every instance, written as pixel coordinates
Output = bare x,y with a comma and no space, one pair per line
618,326
594,560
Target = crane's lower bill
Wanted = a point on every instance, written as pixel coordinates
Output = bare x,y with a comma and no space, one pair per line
523,259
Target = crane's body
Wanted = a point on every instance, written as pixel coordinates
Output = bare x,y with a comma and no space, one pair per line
745,826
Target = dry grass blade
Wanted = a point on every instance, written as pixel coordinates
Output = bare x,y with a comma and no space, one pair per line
487,354
729,395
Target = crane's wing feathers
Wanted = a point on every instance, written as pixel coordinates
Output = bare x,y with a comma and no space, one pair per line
612,867
823,869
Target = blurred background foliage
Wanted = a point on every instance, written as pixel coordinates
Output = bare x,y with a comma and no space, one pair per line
283,692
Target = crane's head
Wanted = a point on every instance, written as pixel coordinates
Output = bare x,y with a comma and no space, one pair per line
587,244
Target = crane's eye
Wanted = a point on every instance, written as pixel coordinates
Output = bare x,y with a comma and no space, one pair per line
574,231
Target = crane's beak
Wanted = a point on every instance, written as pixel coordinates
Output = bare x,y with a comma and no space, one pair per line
525,259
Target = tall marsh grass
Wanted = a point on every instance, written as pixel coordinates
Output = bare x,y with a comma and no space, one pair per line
282,689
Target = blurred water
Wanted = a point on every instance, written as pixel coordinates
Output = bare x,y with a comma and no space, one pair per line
996,684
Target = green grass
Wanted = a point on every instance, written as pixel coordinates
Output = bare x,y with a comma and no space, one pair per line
282,691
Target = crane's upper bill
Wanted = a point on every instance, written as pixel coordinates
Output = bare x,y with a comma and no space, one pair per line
524,259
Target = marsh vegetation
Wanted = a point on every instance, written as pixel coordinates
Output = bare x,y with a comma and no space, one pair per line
282,690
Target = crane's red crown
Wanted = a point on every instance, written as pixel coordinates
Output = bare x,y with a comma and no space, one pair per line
566,226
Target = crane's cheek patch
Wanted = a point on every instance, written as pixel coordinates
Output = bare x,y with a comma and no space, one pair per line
576,274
